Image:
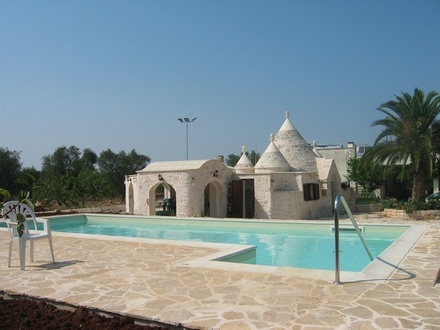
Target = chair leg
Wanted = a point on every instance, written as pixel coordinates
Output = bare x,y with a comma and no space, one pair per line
22,248
11,242
51,248
31,251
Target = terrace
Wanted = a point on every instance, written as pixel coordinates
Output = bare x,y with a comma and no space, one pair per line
152,281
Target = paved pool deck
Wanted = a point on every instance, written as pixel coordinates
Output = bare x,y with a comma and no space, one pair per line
169,282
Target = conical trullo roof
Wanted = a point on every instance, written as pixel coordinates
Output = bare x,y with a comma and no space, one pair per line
294,148
272,159
244,165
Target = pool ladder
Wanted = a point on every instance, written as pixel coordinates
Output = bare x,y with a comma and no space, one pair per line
341,200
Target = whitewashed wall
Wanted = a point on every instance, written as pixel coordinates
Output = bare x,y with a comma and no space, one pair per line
189,187
277,195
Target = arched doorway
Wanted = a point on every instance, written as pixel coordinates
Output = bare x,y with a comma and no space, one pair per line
211,200
162,199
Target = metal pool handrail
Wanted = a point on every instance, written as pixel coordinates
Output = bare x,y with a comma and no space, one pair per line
340,199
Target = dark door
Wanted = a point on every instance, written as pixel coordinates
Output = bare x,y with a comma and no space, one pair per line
237,199
243,201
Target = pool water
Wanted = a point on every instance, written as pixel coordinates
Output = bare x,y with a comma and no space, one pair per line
284,244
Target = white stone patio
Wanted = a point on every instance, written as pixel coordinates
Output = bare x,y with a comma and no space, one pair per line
151,281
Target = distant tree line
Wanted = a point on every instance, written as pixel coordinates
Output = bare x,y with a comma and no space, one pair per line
71,177
232,159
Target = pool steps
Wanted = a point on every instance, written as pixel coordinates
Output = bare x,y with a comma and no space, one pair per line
348,228
341,200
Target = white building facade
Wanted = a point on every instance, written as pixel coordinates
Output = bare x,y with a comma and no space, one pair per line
290,181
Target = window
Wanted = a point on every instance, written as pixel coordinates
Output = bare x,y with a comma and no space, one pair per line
311,191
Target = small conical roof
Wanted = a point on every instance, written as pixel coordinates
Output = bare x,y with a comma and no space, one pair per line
244,165
272,159
294,148
244,159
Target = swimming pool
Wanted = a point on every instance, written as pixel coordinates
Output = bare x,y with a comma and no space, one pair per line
283,244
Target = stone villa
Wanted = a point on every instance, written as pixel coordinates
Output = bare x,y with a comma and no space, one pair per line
291,180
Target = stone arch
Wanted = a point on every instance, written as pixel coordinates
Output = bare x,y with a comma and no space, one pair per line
211,200
156,199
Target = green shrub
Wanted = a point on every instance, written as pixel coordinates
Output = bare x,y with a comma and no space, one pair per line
410,205
390,203
413,205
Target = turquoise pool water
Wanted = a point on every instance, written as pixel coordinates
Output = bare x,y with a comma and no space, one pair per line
299,245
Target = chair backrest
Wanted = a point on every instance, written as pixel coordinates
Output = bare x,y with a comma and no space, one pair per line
10,211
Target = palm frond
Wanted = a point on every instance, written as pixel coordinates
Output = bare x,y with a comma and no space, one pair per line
411,133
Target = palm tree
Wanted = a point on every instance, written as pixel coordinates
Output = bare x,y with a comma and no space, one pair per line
407,137
436,147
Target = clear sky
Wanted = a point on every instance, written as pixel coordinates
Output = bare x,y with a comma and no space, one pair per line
117,74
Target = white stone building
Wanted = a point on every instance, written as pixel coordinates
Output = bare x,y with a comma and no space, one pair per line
340,154
290,181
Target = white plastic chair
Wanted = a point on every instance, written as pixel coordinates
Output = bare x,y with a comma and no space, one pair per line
9,214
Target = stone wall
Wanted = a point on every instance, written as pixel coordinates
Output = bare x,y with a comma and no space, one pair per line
277,195
417,215
188,185
263,196
367,208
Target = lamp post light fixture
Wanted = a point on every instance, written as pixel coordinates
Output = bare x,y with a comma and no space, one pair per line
186,121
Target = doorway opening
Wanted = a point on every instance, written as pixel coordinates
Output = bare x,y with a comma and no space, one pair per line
242,199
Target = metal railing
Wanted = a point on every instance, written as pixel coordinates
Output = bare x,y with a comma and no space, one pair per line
341,200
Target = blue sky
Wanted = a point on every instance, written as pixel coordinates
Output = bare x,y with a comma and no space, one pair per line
118,74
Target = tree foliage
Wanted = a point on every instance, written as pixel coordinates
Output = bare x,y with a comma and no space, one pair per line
69,176
436,148
114,167
62,175
233,159
68,160
369,174
407,137
10,169
72,177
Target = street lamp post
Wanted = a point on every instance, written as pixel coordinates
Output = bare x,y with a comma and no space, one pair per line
186,121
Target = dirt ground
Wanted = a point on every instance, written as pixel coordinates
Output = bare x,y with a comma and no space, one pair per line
24,313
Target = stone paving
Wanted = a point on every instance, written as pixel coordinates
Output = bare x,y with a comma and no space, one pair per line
152,280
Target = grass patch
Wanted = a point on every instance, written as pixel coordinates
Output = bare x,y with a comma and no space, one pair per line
366,201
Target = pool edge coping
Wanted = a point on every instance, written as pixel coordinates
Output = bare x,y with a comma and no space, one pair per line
380,269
